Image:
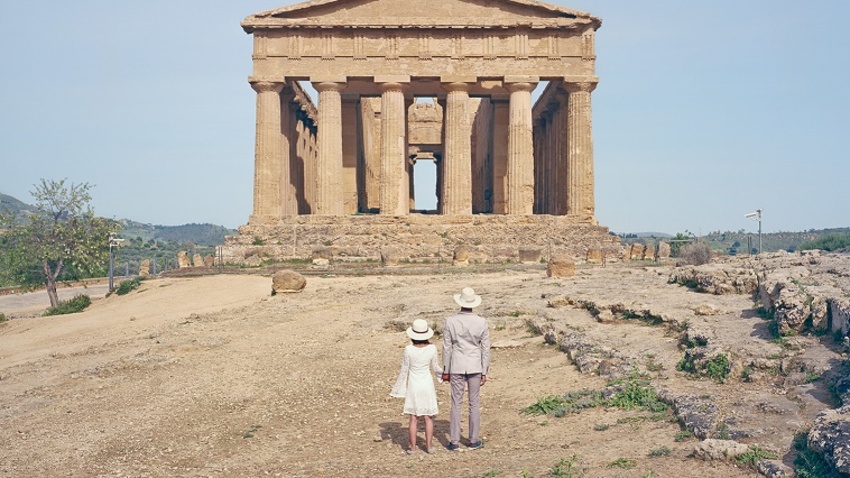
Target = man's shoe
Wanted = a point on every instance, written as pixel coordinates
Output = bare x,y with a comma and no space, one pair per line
476,445
453,446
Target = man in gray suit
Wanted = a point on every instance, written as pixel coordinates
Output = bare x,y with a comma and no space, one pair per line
466,360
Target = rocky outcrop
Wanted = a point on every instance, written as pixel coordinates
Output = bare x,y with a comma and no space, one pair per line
717,279
830,436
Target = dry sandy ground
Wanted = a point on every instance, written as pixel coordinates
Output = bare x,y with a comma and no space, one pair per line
213,377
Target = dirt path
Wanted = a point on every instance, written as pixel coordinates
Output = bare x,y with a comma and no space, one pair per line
212,377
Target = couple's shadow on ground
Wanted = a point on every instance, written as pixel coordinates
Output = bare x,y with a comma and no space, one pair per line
397,433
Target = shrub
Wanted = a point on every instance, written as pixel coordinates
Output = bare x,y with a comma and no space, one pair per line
3,317
695,254
832,242
753,455
77,304
808,463
127,286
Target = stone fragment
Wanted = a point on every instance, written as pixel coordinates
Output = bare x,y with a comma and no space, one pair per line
322,256
561,267
288,281
461,256
530,255
664,250
649,252
389,257
706,309
719,450
183,260
594,255
145,268
636,253
209,260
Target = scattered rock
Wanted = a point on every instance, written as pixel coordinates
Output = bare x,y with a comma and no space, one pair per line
288,281
830,436
561,267
717,450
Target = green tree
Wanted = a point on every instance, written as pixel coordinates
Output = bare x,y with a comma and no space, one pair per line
61,239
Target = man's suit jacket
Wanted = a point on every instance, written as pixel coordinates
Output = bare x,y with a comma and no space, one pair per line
466,344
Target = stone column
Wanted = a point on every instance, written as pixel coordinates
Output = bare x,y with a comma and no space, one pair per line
520,192
580,183
457,155
561,148
394,199
350,152
268,169
288,185
329,162
500,154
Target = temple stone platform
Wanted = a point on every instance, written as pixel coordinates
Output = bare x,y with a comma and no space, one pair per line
421,238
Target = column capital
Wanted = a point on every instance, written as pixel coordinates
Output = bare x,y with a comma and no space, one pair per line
456,86
580,87
387,86
322,86
522,86
266,84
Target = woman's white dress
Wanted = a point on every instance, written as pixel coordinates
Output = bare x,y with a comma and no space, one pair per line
415,383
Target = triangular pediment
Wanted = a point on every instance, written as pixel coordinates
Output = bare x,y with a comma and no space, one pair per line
420,13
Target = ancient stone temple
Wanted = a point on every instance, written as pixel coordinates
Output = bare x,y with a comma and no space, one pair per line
448,81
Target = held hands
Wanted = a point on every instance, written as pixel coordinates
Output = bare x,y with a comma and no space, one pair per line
445,378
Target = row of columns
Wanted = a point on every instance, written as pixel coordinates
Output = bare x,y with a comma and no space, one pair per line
514,169
564,177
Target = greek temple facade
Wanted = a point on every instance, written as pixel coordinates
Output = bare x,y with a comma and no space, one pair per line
476,63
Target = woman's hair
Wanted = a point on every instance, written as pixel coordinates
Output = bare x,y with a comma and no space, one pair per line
420,342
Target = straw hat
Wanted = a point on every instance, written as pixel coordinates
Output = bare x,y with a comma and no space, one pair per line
467,298
420,330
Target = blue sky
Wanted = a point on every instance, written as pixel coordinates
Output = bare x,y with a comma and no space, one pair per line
705,111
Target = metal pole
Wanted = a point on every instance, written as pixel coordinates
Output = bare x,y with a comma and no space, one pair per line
111,265
759,211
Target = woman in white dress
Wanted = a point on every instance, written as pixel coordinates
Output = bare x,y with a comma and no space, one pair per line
415,383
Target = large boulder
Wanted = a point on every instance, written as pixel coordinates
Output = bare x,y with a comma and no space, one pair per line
287,282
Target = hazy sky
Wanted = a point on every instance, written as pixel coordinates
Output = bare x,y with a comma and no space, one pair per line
705,110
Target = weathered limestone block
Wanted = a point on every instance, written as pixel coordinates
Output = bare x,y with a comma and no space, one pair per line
390,257
719,450
698,415
706,309
530,255
636,253
145,268
183,260
561,267
322,256
649,252
830,436
664,250
198,260
209,260
716,279
461,256
288,281
774,469
594,255
840,311
253,261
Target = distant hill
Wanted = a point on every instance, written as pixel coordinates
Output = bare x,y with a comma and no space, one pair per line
198,234
8,203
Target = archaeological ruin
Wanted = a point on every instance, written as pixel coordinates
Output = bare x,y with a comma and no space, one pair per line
449,83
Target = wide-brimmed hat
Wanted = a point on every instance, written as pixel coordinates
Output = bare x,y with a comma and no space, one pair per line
467,298
420,330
